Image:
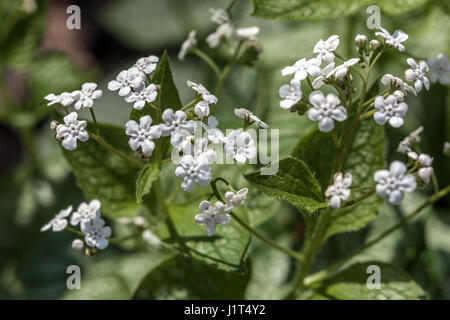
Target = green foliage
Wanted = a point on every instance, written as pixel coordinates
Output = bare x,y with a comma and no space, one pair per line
226,249
293,183
148,175
351,284
105,176
326,9
180,278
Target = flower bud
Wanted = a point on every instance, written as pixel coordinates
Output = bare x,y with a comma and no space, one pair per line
400,95
53,125
374,44
151,239
139,222
425,174
77,244
361,40
425,160
446,148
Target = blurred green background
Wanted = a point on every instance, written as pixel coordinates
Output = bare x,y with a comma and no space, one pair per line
39,55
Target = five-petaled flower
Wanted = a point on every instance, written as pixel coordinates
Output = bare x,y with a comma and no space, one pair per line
391,110
193,170
126,79
212,216
59,221
339,190
86,211
325,49
142,134
291,94
201,90
325,109
416,74
341,71
85,97
146,65
96,233
240,145
250,117
392,183
390,80
71,131
187,45
175,121
302,68
65,99
439,69
235,199
214,134
395,40
142,95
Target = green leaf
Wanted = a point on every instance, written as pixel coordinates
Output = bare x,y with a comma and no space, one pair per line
351,284
226,249
293,183
148,175
181,278
103,175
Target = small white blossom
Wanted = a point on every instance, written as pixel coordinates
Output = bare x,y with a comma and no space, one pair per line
86,211
59,221
425,160
325,49
235,199
189,43
417,74
439,69
142,134
215,135
391,110
126,79
390,80
201,90
175,121
212,216
193,170
224,31
291,94
302,68
394,40
201,109
202,149
446,147
152,239
219,16
320,80
96,233
325,109
146,65
341,71
64,98
339,190
85,97
142,95
246,34
240,145
77,244
413,137
250,117
425,174
392,183
71,131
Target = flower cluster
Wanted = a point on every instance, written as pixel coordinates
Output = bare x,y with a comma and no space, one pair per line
83,98
88,217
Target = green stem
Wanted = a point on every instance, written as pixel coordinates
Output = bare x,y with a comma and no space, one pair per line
79,233
125,238
367,115
94,119
193,101
329,270
223,74
199,53
352,202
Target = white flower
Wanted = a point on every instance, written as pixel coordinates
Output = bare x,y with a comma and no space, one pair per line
393,182
250,117
71,131
59,221
413,137
219,16
425,160
175,121
439,69
246,34
446,147
223,31
394,40
77,244
142,135
96,233
390,80
152,239
292,94
320,80
142,95
64,98
339,190
391,110
425,174
201,109
85,97
302,68
325,109
240,145
215,135
235,200
193,170
126,79
189,43
324,49
341,71
417,74
146,65
201,149
212,216
86,211
201,90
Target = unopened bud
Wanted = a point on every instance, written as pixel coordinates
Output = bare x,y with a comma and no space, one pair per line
139,222
399,95
54,124
425,160
77,244
361,40
374,44
446,148
425,174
